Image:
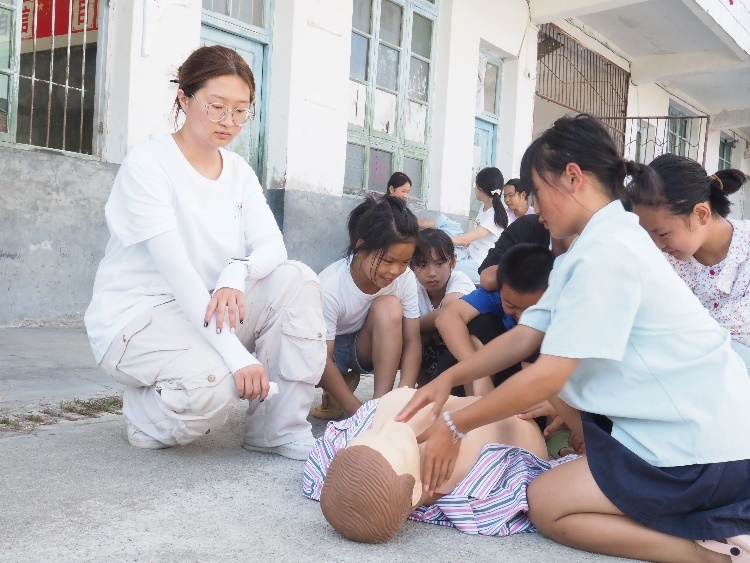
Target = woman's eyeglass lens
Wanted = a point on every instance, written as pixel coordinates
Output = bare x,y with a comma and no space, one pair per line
217,112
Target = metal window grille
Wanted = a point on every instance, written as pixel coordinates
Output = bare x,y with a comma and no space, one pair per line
57,74
577,78
645,138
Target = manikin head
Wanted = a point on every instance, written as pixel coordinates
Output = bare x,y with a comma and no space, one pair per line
373,484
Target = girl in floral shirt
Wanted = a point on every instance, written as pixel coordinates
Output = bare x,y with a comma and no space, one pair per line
687,219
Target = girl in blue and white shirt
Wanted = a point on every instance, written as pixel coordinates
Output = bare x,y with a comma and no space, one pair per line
632,362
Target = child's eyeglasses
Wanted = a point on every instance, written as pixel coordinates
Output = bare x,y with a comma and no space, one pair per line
217,112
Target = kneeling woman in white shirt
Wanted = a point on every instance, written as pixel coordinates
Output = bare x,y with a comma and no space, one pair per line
195,277
490,222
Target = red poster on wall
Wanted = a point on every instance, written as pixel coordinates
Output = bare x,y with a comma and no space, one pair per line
84,16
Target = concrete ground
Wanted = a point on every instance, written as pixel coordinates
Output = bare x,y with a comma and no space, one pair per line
77,491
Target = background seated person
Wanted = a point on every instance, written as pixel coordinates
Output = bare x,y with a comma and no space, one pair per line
516,200
525,229
366,473
439,286
481,316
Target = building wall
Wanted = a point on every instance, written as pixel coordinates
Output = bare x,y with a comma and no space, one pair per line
53,231
308,119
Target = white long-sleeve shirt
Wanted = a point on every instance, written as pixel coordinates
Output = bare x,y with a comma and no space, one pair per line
173,233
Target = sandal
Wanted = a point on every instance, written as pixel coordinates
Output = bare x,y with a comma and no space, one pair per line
737,547
329,408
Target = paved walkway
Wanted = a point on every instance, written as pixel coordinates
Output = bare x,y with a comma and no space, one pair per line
76,491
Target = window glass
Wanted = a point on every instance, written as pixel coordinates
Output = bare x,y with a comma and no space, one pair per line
380,170
421,36
419,72
354,172
490,88
357,103
361,15
248,11
6,34
4,97
384,119
387,76
413,169
390,23
416,121
358,62
216,6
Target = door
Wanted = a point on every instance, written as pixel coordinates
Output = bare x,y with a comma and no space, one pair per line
485,134
248,143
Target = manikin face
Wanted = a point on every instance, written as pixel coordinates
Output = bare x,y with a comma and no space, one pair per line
434,275
677,235
515,303
229,90
402,192
396,442
395,260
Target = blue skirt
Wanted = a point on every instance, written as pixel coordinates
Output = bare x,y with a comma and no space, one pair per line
697,502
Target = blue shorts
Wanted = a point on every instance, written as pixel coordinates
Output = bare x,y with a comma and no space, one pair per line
345,353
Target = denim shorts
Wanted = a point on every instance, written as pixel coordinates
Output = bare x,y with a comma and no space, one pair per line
345,353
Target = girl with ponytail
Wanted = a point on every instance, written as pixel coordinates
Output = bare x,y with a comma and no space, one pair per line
686,215
490,222
630,360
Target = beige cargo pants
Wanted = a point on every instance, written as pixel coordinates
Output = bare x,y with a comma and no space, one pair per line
177,387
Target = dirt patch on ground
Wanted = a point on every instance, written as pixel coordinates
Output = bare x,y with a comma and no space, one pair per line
77,409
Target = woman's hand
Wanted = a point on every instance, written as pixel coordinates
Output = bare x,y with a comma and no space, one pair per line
435,392
541,409
251,382
440,455
223,300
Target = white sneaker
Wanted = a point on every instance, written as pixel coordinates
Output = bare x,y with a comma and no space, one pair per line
299,450
142,440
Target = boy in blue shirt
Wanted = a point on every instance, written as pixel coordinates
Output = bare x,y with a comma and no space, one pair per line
475,319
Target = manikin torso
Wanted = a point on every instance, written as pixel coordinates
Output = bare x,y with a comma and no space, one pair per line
511,431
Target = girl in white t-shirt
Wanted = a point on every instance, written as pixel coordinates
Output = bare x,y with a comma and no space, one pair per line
686,216
370,307
439,285
194,278
490,222
633,363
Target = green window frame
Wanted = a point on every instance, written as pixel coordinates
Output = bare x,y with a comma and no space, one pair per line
252,25
726,147
390,93
678,136
10,39
490,80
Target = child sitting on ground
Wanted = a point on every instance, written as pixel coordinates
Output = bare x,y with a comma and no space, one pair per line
370,307
474,320
439,286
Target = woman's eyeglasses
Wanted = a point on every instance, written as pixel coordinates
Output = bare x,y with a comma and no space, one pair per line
217,112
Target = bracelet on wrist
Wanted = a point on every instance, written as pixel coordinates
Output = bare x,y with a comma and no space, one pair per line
449,421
